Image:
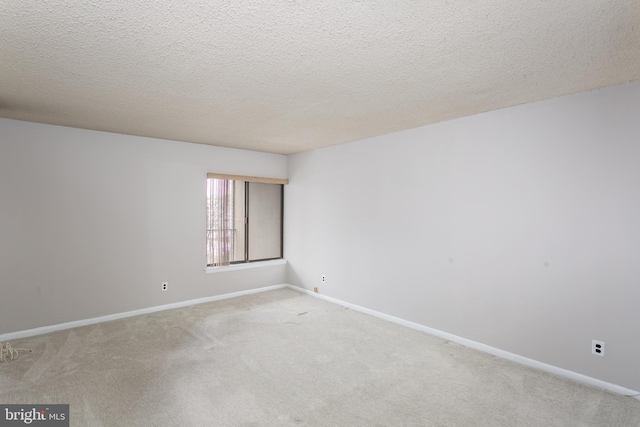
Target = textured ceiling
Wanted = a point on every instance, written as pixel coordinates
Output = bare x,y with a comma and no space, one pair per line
290,76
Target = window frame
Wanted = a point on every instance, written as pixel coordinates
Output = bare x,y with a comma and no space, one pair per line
246,180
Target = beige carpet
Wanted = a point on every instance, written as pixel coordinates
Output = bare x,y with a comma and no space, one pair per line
283,358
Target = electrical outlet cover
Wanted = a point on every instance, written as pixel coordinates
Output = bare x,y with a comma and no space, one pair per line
597,348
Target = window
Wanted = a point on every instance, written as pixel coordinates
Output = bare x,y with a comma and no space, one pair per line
244,219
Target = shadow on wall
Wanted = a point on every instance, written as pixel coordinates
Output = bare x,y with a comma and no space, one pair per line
292,276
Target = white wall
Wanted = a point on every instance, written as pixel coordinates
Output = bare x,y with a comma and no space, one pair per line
91,223
517,228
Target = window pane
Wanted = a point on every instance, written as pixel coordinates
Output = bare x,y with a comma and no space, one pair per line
225,221
265,226
238,222
220,196
238,208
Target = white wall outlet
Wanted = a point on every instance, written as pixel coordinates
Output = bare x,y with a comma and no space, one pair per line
597,348
323,278
165,285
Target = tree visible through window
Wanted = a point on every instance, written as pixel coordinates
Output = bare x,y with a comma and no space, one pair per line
244,219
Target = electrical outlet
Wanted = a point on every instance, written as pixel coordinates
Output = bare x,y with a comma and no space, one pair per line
165,285
597,348
323,278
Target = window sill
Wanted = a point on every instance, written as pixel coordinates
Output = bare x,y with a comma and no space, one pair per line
245,266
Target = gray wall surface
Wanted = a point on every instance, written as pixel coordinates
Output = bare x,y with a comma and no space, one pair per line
91,223
517,228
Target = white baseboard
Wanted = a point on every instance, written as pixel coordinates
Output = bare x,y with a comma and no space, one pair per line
482,347
444,335
61,326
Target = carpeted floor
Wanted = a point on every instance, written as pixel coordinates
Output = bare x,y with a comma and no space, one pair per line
282,358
